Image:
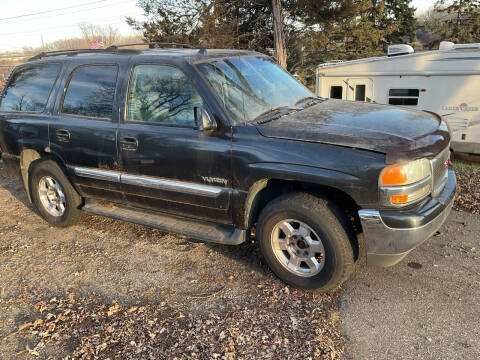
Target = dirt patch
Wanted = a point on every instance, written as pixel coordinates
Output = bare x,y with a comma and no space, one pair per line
108,289
427,312
468,193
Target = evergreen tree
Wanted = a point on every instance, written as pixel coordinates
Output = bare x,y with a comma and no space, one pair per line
315,30
401,15
462,21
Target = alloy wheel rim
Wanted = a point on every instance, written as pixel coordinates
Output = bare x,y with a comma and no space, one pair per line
298,248
52,196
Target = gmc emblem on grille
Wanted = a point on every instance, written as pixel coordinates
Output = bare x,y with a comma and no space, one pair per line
447,163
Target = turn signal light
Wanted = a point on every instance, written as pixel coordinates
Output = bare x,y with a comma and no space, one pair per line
394,175
399,199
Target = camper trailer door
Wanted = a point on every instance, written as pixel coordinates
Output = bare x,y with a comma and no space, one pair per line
359,89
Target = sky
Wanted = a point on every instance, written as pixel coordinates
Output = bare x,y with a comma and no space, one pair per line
421,5
18,28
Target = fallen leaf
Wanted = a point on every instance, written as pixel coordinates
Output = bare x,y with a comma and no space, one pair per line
113,309
25,326
39,306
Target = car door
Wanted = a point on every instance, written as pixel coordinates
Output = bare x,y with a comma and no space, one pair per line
83,129
167,163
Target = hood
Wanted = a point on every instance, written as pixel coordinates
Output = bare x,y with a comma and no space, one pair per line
400,133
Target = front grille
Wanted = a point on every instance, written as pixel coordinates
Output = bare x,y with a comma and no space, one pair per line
439,171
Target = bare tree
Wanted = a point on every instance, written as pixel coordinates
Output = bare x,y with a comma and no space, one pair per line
109,34
279,34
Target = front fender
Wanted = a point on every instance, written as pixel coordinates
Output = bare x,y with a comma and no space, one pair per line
350,184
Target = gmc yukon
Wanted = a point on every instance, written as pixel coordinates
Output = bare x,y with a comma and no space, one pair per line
221,145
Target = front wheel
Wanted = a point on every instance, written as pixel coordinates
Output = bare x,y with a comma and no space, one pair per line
306,241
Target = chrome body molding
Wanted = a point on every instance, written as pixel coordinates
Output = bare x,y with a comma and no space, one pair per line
97,174
370,216
171,185
9,156
149,182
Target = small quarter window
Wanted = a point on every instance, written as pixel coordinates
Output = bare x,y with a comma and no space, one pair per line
404,97
336,92
29,88
90,91
162,94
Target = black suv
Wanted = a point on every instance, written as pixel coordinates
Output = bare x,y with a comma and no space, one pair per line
219,145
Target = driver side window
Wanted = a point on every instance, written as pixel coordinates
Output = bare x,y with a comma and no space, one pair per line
161,94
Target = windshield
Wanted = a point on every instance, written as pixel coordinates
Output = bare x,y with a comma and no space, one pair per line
252,86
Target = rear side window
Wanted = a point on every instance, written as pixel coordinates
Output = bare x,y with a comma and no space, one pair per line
29,88
405,97
90,91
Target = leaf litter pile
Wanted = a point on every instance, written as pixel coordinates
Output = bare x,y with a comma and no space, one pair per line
468,192
105,289
277,324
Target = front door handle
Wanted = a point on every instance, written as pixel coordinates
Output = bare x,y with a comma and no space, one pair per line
63,135
129,143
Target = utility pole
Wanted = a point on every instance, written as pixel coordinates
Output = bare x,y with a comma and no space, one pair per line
278,34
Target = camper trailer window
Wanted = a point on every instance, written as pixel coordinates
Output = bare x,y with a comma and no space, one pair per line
405,97
404,92
336,92
403,101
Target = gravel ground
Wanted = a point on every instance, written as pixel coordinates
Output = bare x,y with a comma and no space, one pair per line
108,289
428,305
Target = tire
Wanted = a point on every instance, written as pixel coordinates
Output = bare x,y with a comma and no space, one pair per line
47,182
326,236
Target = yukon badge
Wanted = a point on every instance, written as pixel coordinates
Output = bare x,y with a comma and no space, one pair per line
214,180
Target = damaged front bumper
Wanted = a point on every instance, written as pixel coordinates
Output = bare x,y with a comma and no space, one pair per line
391,234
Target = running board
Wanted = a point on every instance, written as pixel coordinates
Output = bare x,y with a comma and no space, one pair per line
197,229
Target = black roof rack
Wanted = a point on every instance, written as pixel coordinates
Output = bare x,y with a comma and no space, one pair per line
114,48
64,52
153,45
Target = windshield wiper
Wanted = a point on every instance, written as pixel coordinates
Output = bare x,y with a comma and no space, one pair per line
273,114
308,101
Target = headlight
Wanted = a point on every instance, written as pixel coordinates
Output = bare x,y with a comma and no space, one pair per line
403,184
404,174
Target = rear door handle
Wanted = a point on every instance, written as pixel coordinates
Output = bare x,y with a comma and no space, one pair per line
63,135
129,143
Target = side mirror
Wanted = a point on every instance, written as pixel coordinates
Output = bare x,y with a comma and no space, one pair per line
203,119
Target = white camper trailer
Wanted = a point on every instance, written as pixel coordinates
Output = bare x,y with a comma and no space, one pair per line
445,81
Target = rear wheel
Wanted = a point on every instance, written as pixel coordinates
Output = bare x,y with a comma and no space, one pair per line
53,195
306,241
